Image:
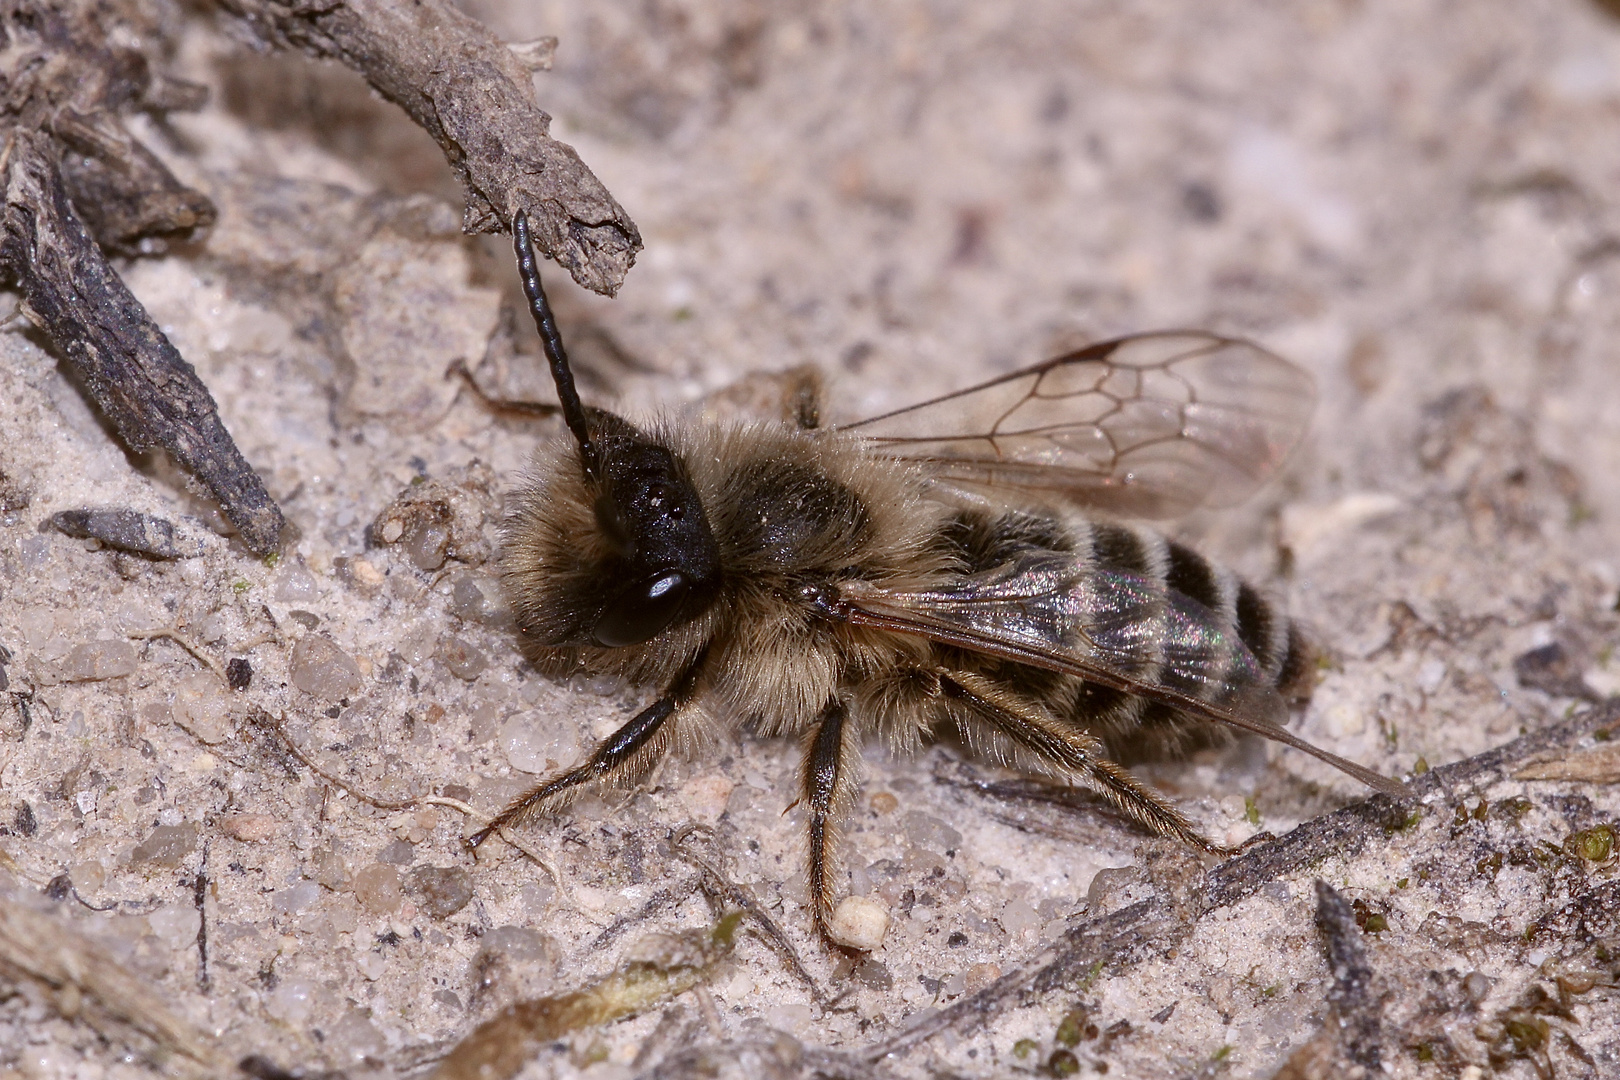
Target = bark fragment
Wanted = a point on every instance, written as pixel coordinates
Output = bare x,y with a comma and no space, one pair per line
152,396
62,74
472,94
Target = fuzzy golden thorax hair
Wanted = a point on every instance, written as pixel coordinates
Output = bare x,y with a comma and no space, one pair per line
784,508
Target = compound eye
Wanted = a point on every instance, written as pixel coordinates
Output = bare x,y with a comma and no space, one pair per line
642,611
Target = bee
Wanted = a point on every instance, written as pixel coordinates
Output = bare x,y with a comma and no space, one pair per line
957,565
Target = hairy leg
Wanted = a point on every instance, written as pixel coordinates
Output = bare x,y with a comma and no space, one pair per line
1074,754
829,788
621,758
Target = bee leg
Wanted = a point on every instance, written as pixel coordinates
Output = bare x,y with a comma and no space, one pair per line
1076,754
829,787
620,757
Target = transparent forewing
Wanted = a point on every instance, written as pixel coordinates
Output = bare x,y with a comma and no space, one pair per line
1143,637
1112,629
1153,425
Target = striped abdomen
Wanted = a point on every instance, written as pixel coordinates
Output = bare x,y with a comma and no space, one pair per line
1129,601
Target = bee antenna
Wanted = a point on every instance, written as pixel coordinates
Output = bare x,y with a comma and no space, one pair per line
546,323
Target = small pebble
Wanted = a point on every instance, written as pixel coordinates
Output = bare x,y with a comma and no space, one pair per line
1113,887
397,853
441,891
858,922
536,896
355,1038
465,661
295,899
926,830
239,673
126,530
793,1019
327,867
883,803
376,889
517,942
291,1002
87,877
979,976
295,584
705,797
322,670
167,845
203,707
873,975
1017,917
427,545
97,660
467,599
535,748
250,828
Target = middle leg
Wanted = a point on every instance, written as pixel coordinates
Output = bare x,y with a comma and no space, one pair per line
829,790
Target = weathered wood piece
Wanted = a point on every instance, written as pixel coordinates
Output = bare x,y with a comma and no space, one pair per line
62,73
472,94
152,396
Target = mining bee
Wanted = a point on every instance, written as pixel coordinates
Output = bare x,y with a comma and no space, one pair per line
959,564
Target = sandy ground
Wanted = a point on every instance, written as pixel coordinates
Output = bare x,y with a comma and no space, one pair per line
1414,201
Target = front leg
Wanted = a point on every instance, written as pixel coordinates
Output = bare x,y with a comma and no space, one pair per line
829,789
621,758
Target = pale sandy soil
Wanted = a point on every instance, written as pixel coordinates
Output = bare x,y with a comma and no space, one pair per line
1414,201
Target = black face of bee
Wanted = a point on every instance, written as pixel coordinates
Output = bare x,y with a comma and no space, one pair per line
661,547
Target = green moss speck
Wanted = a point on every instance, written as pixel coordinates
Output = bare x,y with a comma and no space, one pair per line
1594,845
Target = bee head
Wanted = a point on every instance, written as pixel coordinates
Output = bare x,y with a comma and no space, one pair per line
657,558
620,551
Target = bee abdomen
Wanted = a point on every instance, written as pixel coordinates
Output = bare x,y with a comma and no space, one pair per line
1149,608
1176,570
1249,640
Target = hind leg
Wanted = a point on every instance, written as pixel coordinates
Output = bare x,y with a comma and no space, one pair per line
1069,752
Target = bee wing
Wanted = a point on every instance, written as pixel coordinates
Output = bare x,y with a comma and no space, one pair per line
1152,425
1114,629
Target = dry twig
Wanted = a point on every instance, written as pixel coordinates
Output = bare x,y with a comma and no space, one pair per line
86,981
146,389
472,94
